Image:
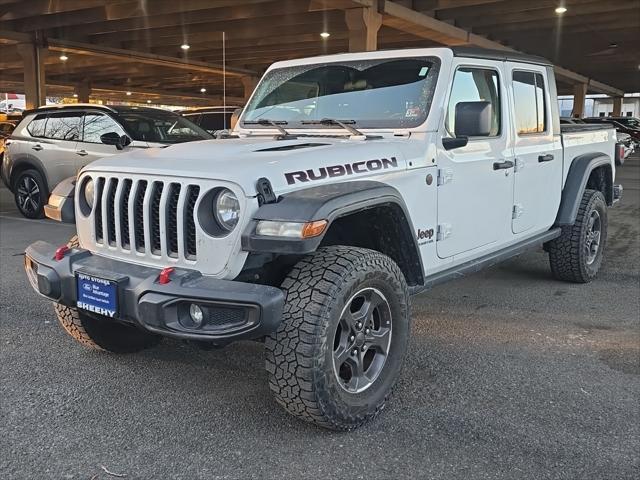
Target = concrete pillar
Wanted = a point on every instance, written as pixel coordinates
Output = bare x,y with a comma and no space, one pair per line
579,96
617,106
84,91
249,82
33,58
363,24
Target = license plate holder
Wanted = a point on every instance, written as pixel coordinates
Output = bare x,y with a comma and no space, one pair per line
97,294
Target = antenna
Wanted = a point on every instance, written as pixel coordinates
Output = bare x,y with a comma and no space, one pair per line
224,80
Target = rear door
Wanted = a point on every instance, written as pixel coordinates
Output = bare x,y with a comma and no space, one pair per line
537,150
57,154
475,189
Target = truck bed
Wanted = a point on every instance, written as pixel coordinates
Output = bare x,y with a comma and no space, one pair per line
580,139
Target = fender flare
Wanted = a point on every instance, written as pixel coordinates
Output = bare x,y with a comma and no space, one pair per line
576,183
325,202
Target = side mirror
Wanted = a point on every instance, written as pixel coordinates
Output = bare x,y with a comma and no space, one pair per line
473,119
449,143
112,138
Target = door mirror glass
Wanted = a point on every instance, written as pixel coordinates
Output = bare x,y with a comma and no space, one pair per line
473,119
112,138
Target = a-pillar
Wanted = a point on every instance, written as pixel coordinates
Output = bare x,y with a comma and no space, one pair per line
84,91
249,82
363,25
33,57
617,106
579,97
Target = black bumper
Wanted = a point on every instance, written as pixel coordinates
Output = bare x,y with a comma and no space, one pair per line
232,310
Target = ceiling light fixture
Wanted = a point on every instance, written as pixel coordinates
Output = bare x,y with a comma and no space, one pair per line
560,10
128,94
75,95
148,101
202,90
64,58
185,46
325,34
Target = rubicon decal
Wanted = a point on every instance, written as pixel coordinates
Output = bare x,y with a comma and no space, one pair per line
341,170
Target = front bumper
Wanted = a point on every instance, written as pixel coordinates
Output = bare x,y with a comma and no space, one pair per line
232,310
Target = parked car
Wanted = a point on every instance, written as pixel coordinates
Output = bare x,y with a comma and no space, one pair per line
354,181
6,128
212,119
628,125
53,143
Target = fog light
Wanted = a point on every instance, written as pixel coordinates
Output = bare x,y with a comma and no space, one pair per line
197,315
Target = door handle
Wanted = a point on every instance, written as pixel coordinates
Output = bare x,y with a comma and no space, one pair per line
503,165
37,147
82,153
545,158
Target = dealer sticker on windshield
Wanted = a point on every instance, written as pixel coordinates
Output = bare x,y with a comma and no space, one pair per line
97,295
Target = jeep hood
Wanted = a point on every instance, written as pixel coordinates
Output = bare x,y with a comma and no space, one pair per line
288,164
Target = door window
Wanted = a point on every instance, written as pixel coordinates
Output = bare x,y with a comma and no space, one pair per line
473,85
36,127
97,124
212,122
63,126
530,107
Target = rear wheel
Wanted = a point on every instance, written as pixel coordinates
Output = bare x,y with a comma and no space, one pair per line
576,255
102,333
340,347
30,193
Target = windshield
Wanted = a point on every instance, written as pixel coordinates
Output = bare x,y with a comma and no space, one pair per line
387,93
630,122
160,127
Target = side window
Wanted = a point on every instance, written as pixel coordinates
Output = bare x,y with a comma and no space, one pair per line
97,124
63,126
213,122
36,127
530,106
472,85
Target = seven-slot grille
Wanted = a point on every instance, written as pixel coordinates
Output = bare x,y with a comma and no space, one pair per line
147,216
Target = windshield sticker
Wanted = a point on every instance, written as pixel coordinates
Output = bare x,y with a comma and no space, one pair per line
340,170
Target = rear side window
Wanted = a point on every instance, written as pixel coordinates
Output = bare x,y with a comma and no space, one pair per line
473,85
528,95
63,126
36,127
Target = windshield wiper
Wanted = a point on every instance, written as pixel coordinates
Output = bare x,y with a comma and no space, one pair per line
346,124
272,123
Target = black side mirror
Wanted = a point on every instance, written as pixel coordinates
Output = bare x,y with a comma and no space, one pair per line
449,143
473,119
112,138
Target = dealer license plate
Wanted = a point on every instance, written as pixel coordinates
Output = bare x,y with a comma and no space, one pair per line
97,295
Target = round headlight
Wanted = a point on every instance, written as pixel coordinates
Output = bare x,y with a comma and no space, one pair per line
89,187
227,209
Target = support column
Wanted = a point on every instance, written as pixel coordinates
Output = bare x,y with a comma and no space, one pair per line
579,97
363,24
617,106
84,91
249,82
33,58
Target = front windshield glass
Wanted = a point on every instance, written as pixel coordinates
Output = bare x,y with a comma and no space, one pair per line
384,93
160,127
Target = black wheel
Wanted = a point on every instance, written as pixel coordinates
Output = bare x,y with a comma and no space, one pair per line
30,193
576,256
344,333
102,333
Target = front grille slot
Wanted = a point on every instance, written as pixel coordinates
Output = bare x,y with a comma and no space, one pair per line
146,217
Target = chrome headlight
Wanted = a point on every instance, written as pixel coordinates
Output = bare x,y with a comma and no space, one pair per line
89,187
227,209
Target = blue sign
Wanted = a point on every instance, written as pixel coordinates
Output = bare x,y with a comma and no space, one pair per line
97,295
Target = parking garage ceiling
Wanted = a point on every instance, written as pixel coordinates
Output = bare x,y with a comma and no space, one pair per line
139,44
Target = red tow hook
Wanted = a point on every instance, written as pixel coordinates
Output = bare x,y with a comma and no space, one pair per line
164,276
61,252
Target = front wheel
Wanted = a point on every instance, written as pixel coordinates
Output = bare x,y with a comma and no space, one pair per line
576,255
344,333
30,193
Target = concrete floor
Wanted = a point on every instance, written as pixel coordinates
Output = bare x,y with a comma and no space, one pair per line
511,374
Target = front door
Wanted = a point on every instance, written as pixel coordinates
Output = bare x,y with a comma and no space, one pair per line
90,147
537,149
475,189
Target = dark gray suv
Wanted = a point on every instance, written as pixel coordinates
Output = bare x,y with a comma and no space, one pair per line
53,143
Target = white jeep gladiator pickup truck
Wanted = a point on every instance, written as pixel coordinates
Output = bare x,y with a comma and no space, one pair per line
350,183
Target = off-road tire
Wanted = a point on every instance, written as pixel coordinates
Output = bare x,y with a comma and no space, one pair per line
30,211
299,355
101,333
567,253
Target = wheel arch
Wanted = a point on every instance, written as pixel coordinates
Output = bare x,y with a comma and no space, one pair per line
360,213
590,170
21,165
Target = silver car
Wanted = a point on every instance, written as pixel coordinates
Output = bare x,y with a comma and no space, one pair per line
51,144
